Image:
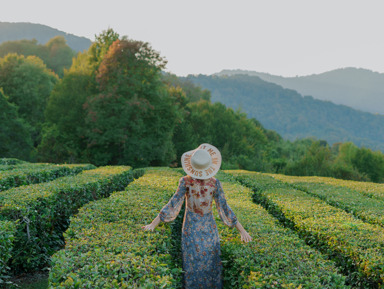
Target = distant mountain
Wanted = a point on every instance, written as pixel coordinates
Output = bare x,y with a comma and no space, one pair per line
292,115
42,33
355,87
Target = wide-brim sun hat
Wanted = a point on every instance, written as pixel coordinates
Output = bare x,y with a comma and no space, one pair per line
202,163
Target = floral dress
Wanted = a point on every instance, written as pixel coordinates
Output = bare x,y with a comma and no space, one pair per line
200,239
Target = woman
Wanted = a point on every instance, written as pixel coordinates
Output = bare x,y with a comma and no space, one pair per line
200,239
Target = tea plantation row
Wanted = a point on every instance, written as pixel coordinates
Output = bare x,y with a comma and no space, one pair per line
34,217
319,213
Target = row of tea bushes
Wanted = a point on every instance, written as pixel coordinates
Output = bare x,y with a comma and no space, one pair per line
11,161
276,257
365,208
43,211
29,173
372,190
106,246
7,235
356,246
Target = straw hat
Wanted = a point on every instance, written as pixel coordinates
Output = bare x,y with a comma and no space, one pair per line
203,162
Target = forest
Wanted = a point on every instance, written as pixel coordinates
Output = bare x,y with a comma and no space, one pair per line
113,104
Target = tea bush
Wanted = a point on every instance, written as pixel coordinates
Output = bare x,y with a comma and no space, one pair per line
107,248
7,235
276,257
355,245
365,208
11,161
26,174
372,190
43,211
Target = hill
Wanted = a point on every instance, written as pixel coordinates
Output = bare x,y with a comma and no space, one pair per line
358,88
42,33
292,115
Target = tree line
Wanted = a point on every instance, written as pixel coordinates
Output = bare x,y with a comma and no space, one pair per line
113,104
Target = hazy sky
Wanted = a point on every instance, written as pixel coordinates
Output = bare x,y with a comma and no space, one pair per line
283,37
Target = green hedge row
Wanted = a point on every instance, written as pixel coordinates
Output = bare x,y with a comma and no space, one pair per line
372,190
7,235
106,247
356,246
43,211
365,208
26,174
11,161
276,257
7,167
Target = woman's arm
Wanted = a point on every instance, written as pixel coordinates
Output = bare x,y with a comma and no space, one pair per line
244,235
170,211
152,225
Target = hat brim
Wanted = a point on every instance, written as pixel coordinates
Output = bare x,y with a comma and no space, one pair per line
202,174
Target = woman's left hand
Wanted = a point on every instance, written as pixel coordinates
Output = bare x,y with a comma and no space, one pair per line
149,227
152,225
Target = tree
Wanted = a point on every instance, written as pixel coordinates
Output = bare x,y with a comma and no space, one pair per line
239,139
64,137
370,163
28,83
59,55
132,117
56,54
15,140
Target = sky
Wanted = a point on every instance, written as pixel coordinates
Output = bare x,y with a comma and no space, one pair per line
281,37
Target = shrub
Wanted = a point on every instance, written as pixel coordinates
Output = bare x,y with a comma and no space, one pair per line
43,211
26,174
106,247
7,235
276,257
356,246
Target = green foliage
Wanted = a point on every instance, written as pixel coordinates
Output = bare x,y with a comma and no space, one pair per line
193,93
276,257
239,139
125,120
352,201
101,45
370,163
11,161
106,247
63,136
7,236
15,139
56,54
43,211
26,174
316,161
355,245
27,83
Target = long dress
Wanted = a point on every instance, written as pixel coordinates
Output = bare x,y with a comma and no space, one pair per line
200,241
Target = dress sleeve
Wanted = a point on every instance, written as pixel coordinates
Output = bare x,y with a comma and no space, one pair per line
170,211
225,212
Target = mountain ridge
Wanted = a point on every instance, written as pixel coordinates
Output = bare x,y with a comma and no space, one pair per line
359,88
293,115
